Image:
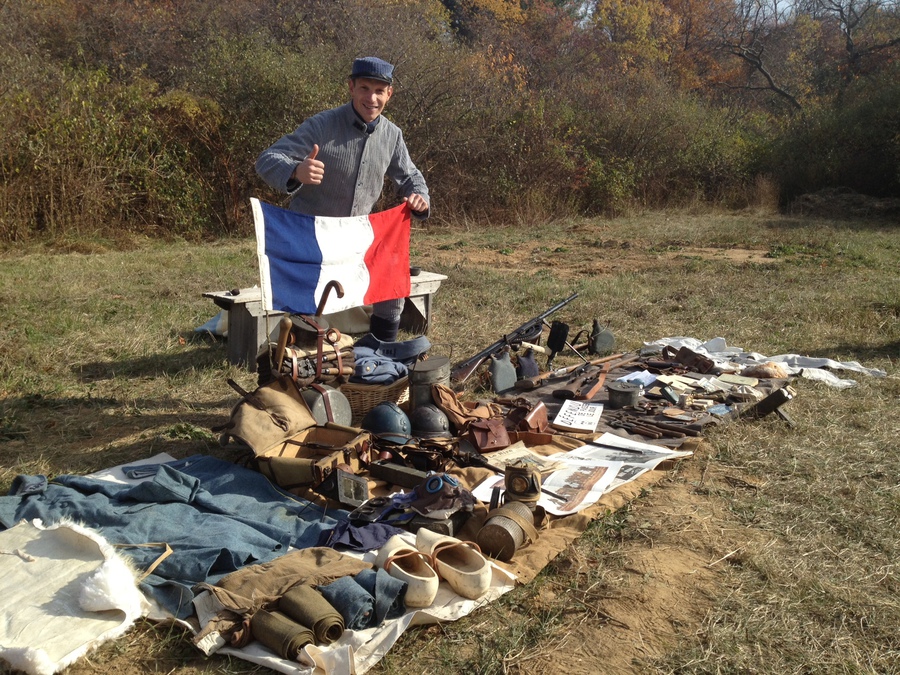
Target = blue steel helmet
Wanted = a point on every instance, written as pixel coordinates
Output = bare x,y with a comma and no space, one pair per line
429,421
388,422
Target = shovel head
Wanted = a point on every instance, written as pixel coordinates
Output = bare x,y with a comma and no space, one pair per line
559,333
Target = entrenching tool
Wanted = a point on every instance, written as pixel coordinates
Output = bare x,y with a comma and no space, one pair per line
559,332
284,333
557,339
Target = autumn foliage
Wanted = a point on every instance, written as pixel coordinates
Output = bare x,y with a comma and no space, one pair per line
146,116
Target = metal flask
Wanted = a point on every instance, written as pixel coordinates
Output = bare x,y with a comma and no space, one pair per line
423,374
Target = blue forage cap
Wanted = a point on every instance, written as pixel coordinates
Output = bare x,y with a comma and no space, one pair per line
373,68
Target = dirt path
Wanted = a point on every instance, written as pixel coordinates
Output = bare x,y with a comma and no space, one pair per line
662,581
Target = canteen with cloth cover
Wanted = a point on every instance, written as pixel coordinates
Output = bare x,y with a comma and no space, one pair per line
328,404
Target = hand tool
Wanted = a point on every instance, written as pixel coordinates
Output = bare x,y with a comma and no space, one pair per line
284,328
557,339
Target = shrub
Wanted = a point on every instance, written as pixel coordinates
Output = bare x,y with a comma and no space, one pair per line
853,142
92,155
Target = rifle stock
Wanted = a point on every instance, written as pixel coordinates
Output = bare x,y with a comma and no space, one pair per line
463,370
527,332
529,383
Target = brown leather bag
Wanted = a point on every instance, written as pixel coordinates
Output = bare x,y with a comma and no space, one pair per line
527,416
488,435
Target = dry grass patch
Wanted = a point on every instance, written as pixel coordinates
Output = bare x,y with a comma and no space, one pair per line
773,550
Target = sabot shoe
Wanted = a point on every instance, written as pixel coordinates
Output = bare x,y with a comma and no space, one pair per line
459,563
403,562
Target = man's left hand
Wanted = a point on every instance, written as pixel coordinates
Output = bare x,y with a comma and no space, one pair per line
417,203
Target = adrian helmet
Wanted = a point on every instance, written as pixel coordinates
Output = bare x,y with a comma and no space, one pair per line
429,421
388,422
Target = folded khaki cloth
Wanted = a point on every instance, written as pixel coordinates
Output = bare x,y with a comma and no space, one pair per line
306,606
280,633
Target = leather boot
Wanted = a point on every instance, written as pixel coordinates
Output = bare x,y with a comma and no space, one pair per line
385,330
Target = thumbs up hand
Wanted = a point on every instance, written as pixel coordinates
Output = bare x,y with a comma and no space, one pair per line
310,171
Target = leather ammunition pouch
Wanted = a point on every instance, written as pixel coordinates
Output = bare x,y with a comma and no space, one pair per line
526,415
488,435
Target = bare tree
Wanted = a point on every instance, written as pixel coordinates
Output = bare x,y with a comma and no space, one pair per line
853,18
748,36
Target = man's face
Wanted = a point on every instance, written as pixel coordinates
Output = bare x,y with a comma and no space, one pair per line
369,97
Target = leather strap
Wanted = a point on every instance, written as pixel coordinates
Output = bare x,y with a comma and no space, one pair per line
526,526
406,554
444,546
156,563
325,399
333,335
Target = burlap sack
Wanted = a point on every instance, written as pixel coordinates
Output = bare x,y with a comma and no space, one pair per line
271,414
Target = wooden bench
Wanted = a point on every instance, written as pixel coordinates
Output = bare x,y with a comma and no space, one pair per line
249,325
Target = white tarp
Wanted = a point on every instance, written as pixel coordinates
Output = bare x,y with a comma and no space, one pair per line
804,366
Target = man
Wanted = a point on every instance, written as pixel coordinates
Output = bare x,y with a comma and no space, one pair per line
334,164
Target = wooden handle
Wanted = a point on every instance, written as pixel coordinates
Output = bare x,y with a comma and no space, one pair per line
573,386
591,391
284,333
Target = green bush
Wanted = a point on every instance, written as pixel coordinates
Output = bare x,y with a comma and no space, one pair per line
853,143
262,90
92,155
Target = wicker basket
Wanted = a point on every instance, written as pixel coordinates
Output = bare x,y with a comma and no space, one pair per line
364,397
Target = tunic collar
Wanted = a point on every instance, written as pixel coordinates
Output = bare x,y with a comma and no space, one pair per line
360,124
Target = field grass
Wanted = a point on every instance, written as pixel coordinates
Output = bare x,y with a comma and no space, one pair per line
773,550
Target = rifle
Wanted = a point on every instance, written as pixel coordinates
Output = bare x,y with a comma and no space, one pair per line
593,381
527,332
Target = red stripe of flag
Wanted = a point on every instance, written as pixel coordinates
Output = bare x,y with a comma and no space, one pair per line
388,257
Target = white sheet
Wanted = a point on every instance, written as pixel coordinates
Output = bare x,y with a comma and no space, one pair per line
805,366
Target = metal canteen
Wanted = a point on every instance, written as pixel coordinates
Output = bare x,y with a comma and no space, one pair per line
319,403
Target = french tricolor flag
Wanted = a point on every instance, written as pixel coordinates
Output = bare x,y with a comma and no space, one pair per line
299,255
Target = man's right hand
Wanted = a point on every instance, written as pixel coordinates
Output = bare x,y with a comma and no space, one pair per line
310,171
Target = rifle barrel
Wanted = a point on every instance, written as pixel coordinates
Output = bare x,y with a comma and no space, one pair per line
461,371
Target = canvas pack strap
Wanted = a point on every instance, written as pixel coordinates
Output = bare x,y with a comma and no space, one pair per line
528,528
156,563
289,472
